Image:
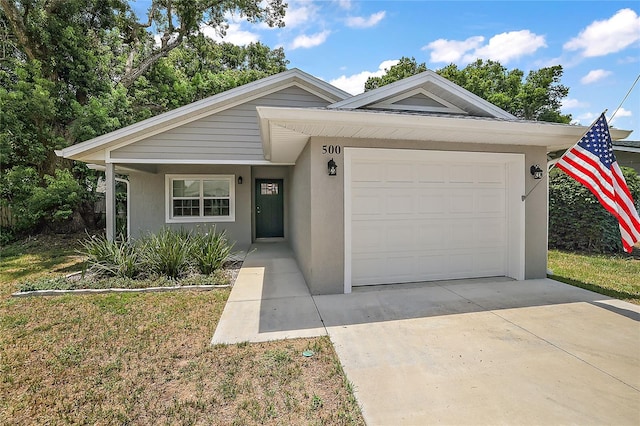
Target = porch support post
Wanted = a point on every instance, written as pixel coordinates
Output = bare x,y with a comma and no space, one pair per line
110,200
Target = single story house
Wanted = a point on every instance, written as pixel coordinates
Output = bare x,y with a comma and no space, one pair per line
415,181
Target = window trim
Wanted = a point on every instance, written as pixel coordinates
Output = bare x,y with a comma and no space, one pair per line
198,219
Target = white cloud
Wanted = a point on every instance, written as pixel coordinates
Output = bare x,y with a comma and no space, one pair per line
573,103
307,41
623,113
607,36
354,84
586,118
502,47
234,34
507,46
448,51
371,21
299,13
595,75
344,4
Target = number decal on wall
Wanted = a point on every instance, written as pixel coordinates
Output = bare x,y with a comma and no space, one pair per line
331,149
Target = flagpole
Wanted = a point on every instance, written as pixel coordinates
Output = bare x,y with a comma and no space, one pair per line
524,197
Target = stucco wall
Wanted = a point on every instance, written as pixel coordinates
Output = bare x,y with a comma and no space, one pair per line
148,201
326,266
300,209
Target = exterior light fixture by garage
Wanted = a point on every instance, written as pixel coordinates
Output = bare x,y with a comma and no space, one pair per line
239,180
536,171
333,168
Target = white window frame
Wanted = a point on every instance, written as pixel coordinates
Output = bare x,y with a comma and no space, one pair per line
197,219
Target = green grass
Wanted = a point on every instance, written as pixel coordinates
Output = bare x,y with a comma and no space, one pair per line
146,359
614,276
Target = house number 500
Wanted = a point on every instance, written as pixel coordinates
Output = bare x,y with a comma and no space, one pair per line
331,149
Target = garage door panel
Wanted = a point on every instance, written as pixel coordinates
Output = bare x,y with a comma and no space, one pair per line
491,232
400,204
414,218
490,173
366,171
431,201
431,235
491,201
368,205
430,173
490,262
367,236
461,201
461,173
398,172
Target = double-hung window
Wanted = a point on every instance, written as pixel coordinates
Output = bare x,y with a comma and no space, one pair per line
201,198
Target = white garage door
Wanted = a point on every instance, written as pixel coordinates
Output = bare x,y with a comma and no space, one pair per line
431,215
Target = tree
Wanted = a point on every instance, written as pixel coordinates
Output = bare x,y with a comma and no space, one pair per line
75,69
406,67
536,97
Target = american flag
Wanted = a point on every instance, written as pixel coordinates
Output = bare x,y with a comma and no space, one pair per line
591,162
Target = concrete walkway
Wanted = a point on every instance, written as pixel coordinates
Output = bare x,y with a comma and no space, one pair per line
486,351
270,300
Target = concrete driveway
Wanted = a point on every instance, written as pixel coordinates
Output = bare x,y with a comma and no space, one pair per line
488,352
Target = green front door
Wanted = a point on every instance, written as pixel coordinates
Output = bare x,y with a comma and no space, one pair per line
269,208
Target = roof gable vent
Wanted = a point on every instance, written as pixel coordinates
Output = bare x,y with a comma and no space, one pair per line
418,100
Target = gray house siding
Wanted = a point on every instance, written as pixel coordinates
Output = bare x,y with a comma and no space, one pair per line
147,201
324,269
229,135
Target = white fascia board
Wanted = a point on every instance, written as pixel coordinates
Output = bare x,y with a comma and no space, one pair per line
205,107
530,133
409,83
204,162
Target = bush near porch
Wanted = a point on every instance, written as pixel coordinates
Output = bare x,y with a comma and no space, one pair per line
577,221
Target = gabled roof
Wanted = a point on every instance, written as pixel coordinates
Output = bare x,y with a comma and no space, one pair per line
203,108
426,92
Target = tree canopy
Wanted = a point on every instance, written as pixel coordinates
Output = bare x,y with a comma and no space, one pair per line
71,70
537,96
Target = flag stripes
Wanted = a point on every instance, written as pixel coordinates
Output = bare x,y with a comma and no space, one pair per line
592,163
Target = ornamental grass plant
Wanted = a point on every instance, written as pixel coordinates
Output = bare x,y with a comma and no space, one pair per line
169,253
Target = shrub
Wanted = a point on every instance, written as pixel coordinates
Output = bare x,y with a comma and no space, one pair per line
577,220
210,250
112,258
168,252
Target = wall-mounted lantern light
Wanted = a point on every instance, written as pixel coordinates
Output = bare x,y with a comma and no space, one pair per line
333,167
239,180
536,171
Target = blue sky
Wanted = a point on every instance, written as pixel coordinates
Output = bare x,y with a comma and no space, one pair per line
346,41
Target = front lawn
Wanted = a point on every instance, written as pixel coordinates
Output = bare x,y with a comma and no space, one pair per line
614,276
146,358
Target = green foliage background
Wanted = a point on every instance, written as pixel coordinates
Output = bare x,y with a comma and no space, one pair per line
577,220
77,69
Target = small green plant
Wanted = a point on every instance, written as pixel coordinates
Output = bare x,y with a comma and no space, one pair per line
210,250
112,258
168,252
